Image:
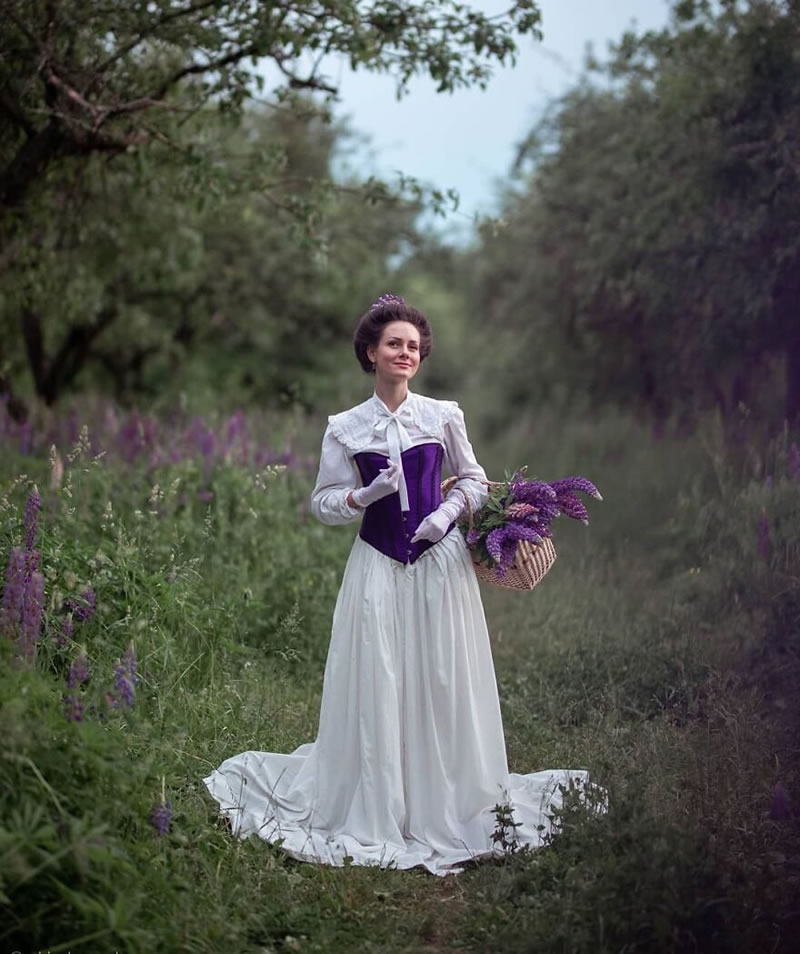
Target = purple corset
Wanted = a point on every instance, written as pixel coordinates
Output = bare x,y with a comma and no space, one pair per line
384,525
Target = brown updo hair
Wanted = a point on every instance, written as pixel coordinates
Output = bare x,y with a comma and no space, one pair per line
371,324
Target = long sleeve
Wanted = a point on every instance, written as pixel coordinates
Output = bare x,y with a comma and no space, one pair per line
460,461
337,476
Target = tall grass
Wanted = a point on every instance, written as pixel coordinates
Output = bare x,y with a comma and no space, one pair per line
662,652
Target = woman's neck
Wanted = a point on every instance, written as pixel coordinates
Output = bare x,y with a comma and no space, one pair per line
392,394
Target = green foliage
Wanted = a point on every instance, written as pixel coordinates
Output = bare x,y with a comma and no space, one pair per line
649,253
659,653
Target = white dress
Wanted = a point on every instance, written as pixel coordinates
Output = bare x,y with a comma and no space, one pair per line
409,760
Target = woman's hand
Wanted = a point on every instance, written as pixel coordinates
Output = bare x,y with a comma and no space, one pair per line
433,527
386,482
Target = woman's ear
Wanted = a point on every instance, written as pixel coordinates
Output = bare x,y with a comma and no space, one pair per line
371,351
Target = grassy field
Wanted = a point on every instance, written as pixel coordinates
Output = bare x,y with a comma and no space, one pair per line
662,652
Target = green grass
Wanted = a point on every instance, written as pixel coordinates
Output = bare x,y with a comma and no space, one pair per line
662,652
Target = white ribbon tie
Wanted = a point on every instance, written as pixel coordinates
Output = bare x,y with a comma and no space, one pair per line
390,423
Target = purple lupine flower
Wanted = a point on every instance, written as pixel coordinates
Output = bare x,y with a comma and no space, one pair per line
473,536
65,636
123,685
32,508
494,543
572,506
131,664
83,607
31,564
793,461
509,551
13,591
73,708
78,671
573,484
764,543
161,816
533,492
518,531
32,607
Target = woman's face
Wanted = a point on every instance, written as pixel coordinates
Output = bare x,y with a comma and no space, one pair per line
396,355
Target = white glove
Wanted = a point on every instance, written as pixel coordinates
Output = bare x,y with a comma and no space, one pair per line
386,482
435,525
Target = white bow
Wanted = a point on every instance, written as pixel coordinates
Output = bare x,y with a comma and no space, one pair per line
391,424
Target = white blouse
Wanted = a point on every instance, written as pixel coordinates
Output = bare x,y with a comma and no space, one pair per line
371,426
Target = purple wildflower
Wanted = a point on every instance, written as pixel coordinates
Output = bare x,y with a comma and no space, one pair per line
502,544
473,536
572,506
764,544
124,686
13,591
31,564
131,664
32,607
32,508
535,492
161,816
73,708
78,671
573,484
494,543
793,462
82,608
518,531
509,551
66,631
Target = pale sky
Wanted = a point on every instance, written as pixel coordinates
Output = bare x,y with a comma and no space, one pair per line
465,140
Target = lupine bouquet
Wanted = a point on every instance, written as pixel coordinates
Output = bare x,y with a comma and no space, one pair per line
518,510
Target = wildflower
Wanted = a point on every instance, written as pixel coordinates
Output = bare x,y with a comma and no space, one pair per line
82,608
473,536
572,506
161,817
571,484
793,461
73,708
161,813
533,492
32,606
131,664
32,508
125,679
522,511
66,631
78,671
764,544
123,685
13,591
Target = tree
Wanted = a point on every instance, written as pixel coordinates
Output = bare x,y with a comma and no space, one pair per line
79,78
653,247
121,104
134,289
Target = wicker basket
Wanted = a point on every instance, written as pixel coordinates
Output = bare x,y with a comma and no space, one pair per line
531,561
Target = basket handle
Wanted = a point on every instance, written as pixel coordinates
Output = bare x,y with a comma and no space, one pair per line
450,484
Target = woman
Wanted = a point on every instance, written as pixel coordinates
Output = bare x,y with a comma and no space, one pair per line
409,761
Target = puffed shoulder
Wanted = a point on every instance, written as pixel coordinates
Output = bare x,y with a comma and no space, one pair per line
354,428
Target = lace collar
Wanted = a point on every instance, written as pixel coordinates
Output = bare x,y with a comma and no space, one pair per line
359,426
